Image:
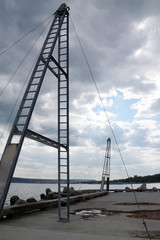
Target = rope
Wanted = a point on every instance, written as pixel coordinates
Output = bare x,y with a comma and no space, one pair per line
5,50
24,82
18,97
15,105
114,136
23,60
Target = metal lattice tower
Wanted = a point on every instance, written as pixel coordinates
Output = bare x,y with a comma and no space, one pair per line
106,166
58,36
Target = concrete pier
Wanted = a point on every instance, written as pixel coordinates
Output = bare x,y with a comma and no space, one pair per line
111,217
14,210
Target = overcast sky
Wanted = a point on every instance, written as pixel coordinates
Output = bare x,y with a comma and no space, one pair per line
121,41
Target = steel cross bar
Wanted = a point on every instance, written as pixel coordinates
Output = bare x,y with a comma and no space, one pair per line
42,139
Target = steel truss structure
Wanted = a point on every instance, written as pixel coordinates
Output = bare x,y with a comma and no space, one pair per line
57,37
106,166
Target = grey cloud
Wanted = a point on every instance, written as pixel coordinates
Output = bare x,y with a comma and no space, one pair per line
142,88
109,40
155,107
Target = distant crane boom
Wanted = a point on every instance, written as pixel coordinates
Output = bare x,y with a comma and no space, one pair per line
106,166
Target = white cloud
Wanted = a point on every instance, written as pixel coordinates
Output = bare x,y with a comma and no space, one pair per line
121,42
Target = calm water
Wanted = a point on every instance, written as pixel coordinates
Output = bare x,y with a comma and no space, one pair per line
27,190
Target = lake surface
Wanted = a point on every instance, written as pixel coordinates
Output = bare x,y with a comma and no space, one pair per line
27,190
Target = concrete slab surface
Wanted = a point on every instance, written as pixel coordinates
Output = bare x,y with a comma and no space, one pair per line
116,219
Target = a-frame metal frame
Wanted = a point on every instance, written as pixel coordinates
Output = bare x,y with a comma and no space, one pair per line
106,166
58,36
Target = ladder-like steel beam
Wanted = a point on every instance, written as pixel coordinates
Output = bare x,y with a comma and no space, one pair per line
41,139
63,117
57,34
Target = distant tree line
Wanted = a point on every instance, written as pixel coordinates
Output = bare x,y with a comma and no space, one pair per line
136,179
139,179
